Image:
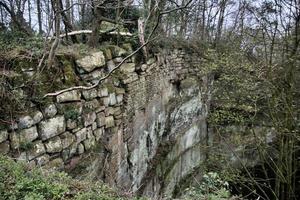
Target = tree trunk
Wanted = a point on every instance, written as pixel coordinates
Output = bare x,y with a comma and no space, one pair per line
39,16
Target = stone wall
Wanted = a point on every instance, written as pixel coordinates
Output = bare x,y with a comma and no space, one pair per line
57,135
148,120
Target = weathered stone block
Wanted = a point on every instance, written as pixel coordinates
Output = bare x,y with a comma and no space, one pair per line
37,149
3,135
89,143
92,105
94,126
89,118
37,117
25,122
100,120
112,99
52,127
89,63
120,91
50,111
81,135
80,149
119,98
23,137
4,147
54,145
90,94
67,139
128,67
118,59
103,92
105,101
73,95
110,65
98,133
109,122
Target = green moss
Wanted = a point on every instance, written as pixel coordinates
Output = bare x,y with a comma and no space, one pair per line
110,87
26,146
71,114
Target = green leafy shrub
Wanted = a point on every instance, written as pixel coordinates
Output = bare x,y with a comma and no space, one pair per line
212,187
18,182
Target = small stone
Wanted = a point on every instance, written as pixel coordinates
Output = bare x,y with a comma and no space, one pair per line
94,126
37,117
67,139
119,98
89,118
118,59
73,95
42,160
52,127
109,122
128,67
71,124
37,149
103,92
73,149
80,149
110,65
81,135
120,91
98,133
3,135
54,145
100,120
112,99
65,154
101,108
4,147
106,101
50,111
25,122
89,143
144,67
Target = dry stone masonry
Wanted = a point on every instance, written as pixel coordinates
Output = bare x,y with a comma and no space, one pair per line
149,120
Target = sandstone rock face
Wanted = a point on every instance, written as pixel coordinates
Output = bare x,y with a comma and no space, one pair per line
89,63
52,127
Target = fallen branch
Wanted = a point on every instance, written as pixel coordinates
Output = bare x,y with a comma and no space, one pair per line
90,32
